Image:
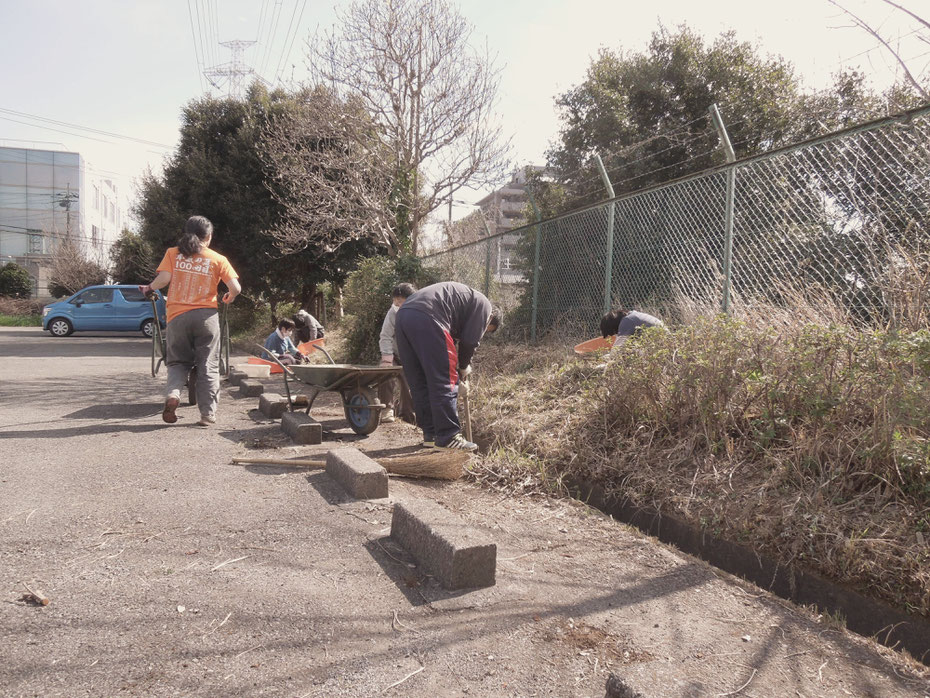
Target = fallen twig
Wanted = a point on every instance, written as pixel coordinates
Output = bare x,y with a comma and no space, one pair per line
35,596
246,651
398,683
220,625
229,562
733,693
396,621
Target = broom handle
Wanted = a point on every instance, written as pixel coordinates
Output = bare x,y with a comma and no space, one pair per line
276,461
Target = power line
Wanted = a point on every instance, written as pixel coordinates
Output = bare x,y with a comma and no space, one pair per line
57,130
200,33
284,48
101,132
261,22
276,17
197,62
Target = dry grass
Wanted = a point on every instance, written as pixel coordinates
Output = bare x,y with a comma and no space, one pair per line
787,429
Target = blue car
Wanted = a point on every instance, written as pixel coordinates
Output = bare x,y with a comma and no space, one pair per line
108,308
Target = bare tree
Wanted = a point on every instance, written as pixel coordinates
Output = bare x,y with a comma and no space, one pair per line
924,36
412,66
72,270
324,168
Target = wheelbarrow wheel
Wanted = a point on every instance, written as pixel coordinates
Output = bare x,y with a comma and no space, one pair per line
192,387
361,418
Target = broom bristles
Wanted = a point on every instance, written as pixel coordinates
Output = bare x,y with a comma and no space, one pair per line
448,465
439,465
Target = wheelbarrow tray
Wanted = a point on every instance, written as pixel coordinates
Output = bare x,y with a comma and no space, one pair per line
335,376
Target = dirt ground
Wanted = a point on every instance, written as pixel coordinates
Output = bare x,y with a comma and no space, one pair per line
173,573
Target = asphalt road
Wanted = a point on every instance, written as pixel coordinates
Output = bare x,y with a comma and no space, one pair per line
172,572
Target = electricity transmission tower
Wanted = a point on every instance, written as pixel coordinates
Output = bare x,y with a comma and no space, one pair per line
234,71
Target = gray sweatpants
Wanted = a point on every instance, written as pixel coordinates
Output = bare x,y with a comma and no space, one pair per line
193,339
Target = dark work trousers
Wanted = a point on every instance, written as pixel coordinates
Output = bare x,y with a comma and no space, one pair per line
430,361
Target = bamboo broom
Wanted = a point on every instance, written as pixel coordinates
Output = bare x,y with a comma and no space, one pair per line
439,465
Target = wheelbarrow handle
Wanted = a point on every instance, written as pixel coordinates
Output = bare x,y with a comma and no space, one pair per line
273,358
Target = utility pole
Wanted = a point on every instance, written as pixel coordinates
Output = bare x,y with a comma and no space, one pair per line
65,202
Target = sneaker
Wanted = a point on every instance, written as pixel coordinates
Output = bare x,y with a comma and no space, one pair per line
168,414
387,416
459,443
429,441
206,421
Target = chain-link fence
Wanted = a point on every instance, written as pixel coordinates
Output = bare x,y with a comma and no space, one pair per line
830,215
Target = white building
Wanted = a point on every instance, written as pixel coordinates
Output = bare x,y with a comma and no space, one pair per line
46,196
504,210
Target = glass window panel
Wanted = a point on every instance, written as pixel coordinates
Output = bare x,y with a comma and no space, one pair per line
133,295
39,175
13,154
12,196
67,160
42,157
12,167
97,295
67,177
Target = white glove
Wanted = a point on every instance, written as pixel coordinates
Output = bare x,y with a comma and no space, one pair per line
465,372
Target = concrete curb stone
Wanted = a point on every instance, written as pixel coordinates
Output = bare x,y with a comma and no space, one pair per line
459,555
358,474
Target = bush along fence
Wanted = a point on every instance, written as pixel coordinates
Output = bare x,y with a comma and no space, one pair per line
830,215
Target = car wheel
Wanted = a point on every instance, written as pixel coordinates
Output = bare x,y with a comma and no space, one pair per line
59,327
148,328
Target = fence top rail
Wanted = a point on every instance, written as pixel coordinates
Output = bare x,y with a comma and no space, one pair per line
901,117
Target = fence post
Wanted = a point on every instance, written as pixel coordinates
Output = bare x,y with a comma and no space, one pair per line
487,257
609,262
731,195
537,229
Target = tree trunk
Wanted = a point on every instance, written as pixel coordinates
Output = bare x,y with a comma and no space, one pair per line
337,302
307,294
273,306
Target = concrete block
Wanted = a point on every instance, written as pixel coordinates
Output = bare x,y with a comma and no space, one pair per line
272,405
460,556
250,388
254,370
235,377
302,428
358,474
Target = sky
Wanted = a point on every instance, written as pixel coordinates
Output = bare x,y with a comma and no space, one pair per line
126,69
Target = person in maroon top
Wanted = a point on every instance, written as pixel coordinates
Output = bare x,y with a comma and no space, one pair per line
438,329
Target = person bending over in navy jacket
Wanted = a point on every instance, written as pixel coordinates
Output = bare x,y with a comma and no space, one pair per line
437,330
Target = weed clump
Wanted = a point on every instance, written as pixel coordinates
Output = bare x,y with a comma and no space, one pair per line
807,441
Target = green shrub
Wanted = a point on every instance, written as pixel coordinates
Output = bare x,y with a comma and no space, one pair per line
15,281
367,298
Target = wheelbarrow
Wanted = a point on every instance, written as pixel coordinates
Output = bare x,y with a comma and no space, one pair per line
160,348
357,384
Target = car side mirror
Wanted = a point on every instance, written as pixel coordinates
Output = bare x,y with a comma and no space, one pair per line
78,302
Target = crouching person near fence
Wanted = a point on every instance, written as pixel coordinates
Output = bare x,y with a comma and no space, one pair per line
395,393
428,326
624,324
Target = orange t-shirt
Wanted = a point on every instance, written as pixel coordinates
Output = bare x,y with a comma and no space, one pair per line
194,279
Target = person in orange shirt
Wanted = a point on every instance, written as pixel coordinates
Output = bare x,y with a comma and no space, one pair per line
193,334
